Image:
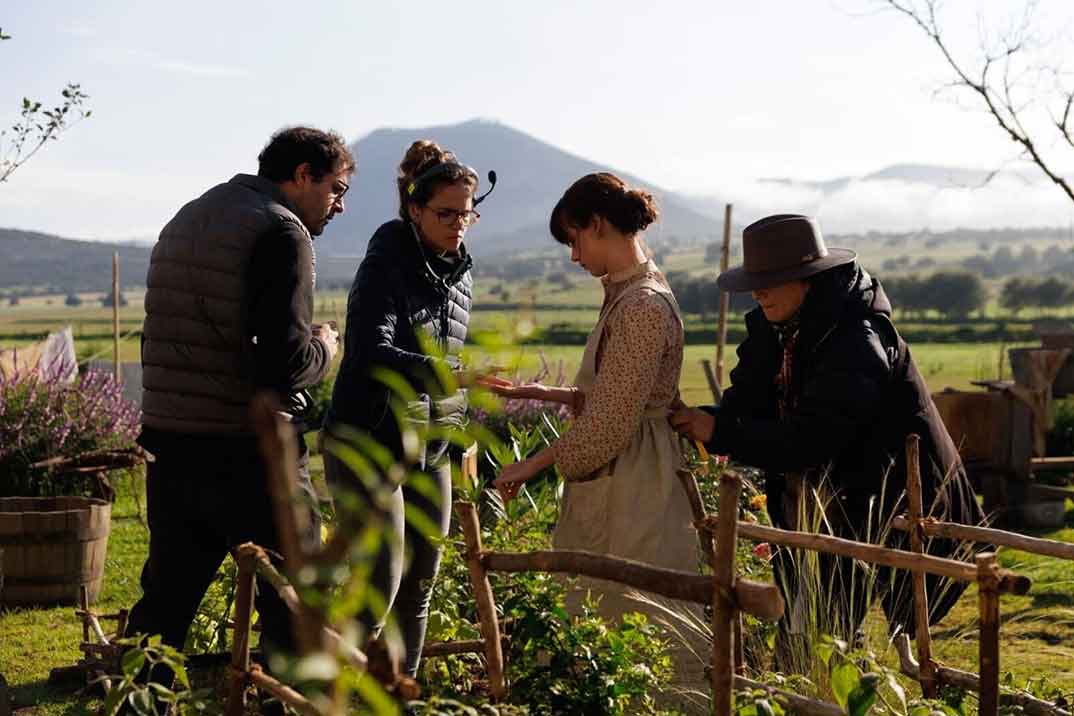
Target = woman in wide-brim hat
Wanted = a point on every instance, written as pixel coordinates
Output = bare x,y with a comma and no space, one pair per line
822,399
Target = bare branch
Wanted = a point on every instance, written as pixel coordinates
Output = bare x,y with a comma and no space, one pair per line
1000,100
37,126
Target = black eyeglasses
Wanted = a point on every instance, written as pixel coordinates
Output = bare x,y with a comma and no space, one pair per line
447,217
339,189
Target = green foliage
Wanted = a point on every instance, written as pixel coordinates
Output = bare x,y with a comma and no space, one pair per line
37,125
1040,687
150,699
209,631
438,706
556,663
953,294
1060,439
562,664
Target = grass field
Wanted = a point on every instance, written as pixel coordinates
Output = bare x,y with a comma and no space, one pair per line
1038,628
1036,635
946,364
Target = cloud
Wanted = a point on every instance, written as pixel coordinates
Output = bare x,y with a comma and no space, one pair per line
133,56
78,30
898,205
905,206
188,68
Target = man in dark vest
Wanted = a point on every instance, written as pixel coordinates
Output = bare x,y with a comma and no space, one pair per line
229,313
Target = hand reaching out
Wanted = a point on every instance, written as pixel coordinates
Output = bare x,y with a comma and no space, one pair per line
508,389
693,423
513,477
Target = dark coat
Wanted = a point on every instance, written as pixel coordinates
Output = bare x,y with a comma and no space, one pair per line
403,299
858,395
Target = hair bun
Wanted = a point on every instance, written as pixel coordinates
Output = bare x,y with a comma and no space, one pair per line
606,195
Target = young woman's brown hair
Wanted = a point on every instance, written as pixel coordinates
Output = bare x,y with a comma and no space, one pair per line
604,194
419,178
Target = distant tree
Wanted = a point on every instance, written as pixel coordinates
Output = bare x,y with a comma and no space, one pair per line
906,294
955,295
896,264
713,251
1014,296
72,300
38,125
106,299
1003,261
1053,255
13,300
560,279
925,262
1029,258
1053,293
981,265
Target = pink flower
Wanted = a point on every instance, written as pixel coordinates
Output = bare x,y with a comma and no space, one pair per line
763,550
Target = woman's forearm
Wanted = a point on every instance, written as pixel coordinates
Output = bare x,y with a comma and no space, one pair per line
543,459
555,394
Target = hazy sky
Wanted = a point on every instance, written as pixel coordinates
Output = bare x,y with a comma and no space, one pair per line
701,97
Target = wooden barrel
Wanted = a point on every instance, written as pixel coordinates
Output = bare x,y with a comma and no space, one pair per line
53,546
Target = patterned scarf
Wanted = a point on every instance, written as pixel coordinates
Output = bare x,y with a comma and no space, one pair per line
788,336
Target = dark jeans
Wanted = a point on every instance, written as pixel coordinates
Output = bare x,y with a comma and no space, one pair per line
405,589
205,497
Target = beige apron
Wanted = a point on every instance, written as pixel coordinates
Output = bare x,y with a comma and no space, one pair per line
633,507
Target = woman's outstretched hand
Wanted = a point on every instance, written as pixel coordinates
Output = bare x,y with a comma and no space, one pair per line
508,389
513,477
693,423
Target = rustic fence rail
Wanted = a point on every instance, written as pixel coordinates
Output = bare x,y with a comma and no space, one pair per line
727,594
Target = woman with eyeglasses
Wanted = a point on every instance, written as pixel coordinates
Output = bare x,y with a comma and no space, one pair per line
407,314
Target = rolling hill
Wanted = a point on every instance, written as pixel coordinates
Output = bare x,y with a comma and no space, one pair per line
532,175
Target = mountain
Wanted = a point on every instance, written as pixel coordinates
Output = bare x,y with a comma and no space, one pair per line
36,259
531,174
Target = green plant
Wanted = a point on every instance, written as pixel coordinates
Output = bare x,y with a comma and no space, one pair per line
1040,687
38,125
561,664
130,689
439,706
209,630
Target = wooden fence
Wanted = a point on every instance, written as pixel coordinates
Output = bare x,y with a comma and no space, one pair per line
727,594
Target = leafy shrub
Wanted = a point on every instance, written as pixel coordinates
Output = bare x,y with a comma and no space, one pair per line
44,417
556,663
130,693
1060,439
438,706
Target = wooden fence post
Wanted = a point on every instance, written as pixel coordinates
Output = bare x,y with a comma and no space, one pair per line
987,583
710,378
723,605
117,366
240,643
926,666
725,297
486,605
697,509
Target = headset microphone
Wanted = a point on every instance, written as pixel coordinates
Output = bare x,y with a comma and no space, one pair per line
492,185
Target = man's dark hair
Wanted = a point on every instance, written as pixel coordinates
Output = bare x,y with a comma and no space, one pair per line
326,153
